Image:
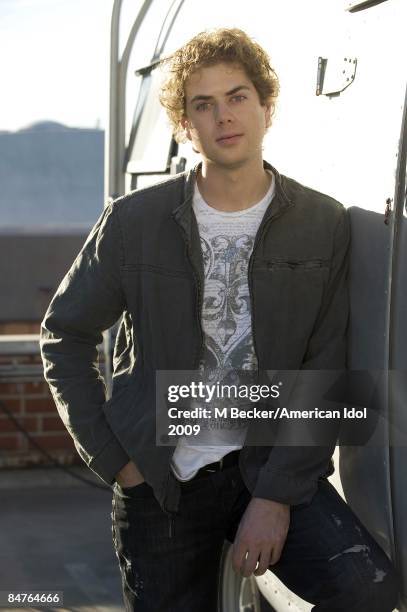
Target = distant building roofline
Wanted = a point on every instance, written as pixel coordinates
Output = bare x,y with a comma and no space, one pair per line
46,230
51,126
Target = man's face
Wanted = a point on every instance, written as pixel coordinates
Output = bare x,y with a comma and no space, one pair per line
224,118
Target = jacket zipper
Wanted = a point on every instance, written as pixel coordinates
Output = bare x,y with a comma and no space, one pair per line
259,236
199,302
171,515
198,314
257,239
171,520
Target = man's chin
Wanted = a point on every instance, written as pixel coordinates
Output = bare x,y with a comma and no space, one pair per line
227,163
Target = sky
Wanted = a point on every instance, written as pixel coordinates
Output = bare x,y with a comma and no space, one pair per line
54,62
55,57
55,66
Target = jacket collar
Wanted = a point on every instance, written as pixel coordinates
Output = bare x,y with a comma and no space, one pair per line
280,201
183,213
184,216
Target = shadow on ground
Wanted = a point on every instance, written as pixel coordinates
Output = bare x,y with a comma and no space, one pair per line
55,535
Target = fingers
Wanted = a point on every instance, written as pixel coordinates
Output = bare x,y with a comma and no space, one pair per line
257,562
260,538
254,561
264,562
247,561
240,550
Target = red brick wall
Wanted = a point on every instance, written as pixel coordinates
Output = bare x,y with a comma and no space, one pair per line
19,327
30,402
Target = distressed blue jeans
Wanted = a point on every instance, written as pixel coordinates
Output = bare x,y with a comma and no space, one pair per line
329,559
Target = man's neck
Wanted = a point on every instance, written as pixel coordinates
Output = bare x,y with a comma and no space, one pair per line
233,189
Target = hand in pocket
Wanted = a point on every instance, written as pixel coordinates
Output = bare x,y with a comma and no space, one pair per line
129,476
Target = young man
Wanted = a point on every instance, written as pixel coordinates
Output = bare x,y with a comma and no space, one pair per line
228,268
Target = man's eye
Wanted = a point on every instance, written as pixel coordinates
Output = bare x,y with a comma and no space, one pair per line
239,98
202,106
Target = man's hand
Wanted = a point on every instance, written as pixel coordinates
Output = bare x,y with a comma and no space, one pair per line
260,537
129,476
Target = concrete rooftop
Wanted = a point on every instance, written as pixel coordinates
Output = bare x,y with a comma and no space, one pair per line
56,535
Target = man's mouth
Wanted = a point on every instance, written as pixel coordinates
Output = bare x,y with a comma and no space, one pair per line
229,138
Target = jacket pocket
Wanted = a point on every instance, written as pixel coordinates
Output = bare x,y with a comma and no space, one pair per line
154,269
297,265
288,294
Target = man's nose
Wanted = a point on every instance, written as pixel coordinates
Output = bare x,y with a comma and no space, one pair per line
223,114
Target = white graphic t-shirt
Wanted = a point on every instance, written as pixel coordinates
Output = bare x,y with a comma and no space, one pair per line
227,240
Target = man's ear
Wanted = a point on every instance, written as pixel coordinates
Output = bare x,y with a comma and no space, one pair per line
268,114
186,127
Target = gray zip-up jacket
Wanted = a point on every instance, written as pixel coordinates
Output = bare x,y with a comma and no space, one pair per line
142,261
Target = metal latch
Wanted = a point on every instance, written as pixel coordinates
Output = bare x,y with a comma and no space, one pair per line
335,75
177,164
388,211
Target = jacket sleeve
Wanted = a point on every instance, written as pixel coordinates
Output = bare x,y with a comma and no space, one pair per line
88,301
290,474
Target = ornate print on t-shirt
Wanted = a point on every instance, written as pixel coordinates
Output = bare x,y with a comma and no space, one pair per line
226,313
227,240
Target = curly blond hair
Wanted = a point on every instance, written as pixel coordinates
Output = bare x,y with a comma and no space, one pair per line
206,49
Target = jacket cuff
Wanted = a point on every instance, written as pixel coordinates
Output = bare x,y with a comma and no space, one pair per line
111,459
283,488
